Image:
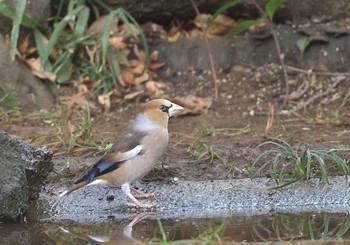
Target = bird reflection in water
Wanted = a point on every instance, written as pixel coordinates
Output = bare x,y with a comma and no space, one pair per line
64,235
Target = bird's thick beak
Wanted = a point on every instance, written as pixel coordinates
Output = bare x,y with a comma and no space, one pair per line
175,109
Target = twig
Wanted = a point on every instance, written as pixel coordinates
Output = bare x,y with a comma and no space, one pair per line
273,31
310,72
330,90
211,60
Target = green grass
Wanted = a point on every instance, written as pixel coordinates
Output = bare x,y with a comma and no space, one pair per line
8,104
286,165
203,152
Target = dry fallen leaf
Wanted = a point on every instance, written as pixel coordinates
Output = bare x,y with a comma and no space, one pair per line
105,100
117,42
79,99
153,86
137,66
221,24
193,105
90,84
133,95
38,70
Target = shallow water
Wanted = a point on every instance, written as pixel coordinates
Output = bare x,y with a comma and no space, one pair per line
146,227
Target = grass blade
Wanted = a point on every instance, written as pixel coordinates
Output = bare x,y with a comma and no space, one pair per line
11,13
143,39
21,6
241,27
222,9
322,167
106,33
82,21
59,29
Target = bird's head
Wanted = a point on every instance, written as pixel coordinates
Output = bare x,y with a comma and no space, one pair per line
159,111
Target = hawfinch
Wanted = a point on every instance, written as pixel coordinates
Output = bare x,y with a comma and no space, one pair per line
135,153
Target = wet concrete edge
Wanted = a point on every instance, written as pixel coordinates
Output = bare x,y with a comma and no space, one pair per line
202,199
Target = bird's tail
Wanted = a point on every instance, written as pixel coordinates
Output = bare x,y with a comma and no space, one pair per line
73,188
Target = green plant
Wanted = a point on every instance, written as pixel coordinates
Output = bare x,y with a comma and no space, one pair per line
164,239
70,46
8,104
211,235
203,152
267,15
270,9
302,44
287,166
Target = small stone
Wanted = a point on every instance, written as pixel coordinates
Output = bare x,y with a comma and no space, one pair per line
110,198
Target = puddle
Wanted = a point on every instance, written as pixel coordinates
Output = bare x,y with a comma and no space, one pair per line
146,227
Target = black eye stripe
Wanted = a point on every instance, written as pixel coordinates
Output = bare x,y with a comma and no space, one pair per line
165,108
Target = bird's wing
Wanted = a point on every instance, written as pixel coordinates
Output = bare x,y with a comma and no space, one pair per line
124,149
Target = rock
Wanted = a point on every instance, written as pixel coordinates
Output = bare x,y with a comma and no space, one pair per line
297,10
193,53
23,170
17,80
186,54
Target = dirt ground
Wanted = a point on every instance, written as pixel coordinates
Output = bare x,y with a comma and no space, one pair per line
212,144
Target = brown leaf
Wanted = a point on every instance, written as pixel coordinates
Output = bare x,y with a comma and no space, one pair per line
193,105
136,66
139,54
221,24
133,95
153,86
117,42
98,25
128,78
90,84
140,79
38,70
156,66
79,99
105,100
23,48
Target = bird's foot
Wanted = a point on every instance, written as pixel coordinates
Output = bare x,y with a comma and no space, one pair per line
140,194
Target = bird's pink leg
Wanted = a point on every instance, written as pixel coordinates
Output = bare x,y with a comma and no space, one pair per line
136,203
140,194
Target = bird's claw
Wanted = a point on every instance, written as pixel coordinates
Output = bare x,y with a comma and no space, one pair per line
140,194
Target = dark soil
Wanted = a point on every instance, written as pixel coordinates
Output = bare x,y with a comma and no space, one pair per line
247,97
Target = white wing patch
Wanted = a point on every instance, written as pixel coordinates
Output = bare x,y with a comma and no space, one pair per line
98,182
132,153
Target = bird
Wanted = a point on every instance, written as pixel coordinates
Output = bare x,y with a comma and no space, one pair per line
135,153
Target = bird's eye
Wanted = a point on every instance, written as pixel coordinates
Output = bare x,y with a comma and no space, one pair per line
163,108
